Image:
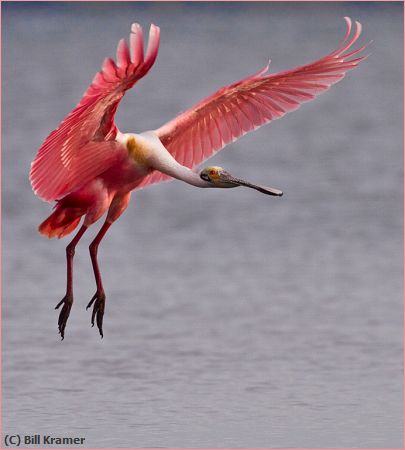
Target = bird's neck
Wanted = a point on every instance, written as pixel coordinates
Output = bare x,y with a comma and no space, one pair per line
188,176
158,158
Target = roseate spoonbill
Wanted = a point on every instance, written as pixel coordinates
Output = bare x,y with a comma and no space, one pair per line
89,167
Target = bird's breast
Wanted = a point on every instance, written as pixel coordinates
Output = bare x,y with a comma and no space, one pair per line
125,175
138,151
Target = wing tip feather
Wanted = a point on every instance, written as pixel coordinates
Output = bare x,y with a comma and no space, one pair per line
135,27
347,42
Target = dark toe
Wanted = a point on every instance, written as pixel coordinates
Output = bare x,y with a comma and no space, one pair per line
98,311
67,302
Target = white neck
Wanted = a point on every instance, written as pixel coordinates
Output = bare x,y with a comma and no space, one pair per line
160,159
187,175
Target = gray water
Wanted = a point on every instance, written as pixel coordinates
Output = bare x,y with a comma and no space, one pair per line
233,319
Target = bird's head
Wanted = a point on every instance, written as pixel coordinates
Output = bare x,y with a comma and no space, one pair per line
220,178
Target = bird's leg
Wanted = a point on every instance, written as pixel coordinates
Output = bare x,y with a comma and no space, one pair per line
99,297
67,300
117,207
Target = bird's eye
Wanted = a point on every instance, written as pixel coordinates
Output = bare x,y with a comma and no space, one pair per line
212,172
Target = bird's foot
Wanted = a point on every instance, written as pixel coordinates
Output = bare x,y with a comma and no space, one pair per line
98,310
67,302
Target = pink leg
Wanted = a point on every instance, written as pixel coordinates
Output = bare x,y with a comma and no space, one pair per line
118,206
99,297
67,300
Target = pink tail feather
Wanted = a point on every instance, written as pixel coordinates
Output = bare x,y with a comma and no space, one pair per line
60,223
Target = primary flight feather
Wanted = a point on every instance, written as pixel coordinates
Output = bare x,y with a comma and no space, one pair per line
89,167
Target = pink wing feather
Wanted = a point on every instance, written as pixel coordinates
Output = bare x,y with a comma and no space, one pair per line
200,132
83,145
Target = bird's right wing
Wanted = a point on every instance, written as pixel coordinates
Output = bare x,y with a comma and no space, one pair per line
83,145
200,132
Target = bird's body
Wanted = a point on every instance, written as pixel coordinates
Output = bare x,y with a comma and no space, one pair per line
89,167
140,155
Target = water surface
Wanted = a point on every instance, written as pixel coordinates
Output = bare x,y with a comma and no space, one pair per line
233,319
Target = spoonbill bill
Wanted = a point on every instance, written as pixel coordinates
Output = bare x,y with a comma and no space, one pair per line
89,167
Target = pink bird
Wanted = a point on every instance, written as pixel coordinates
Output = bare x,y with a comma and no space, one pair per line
89,167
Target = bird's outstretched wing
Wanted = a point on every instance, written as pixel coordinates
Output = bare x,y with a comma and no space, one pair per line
83,145
232,111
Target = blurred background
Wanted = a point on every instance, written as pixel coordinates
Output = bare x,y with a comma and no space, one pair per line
233,319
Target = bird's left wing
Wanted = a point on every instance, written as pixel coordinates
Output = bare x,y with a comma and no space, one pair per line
200,132
83,145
